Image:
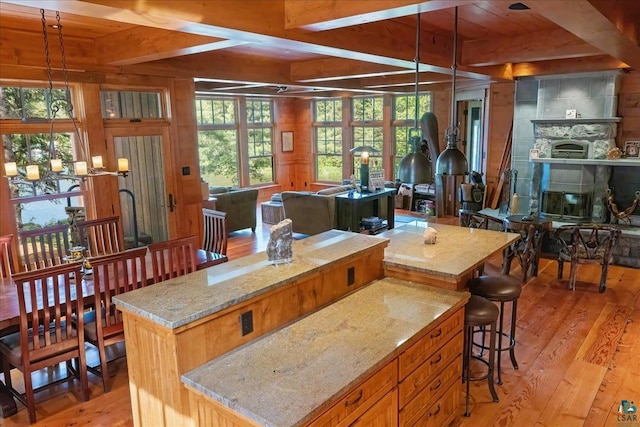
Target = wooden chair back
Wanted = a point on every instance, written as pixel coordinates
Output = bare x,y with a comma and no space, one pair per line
173,258
101,236
112,275
43,247
49,298
215,231
7,261
586,244
473,219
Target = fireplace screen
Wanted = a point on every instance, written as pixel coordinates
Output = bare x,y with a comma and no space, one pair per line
573,206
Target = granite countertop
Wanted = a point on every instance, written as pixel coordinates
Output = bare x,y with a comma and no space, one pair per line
289,377
182,300
458,249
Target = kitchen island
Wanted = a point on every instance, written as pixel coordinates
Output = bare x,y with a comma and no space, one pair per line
390,352
450,263
180,324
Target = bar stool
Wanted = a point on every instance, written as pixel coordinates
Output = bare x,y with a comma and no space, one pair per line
479,312
500,289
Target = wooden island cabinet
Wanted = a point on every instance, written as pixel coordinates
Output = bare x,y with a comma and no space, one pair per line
179,324
387,355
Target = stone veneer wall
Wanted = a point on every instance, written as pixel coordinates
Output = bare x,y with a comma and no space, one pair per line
600,137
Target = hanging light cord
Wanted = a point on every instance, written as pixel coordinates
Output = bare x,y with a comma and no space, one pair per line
452,131
417,60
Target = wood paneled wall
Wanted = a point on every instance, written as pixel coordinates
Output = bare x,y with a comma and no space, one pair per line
498,122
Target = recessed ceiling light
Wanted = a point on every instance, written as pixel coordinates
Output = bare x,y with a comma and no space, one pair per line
518,6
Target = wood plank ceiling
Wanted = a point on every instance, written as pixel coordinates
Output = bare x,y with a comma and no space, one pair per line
324,47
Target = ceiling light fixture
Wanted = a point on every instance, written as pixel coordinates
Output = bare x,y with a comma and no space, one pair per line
81,168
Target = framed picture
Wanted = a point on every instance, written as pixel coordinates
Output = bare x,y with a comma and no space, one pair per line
287,141
632,149
534,153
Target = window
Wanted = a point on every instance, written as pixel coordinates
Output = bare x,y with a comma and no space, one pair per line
218,141
130,105
328,139
260,141
368,129
26,121
404,116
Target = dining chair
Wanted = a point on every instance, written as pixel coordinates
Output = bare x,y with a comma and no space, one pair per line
44,247
524,250
112,275
7,260
48,299
215,231
173,258
586,244
101,236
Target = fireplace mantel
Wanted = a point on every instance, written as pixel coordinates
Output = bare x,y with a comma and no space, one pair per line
581,121
596,162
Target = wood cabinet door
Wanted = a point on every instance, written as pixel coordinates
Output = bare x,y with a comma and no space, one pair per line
383,414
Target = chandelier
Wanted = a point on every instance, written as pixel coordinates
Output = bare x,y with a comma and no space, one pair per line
82,169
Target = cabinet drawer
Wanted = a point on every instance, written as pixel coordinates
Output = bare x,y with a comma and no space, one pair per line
425,376
443,410
447,378
382,414
360,398
430,343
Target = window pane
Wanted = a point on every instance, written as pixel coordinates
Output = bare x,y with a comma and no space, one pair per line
260,170
329,154
259,111
218,152
367,109
404,123
29,103
215,111
130,105
328,111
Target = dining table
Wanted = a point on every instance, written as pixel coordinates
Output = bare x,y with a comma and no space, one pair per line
10,311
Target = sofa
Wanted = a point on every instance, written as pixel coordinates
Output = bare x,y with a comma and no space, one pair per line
240,205
312,213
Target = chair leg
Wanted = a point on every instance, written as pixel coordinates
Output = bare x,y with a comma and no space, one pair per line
572,275
466,361
104,368
560,268
603,277
29,395
500,335
492,355
512,343
6,369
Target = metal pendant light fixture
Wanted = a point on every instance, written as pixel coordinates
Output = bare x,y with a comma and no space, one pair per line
55,171
452,161
415,167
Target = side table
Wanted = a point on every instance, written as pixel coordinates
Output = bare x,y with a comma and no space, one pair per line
272,212
528,248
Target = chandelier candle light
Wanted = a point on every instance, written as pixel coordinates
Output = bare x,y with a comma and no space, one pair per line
81,168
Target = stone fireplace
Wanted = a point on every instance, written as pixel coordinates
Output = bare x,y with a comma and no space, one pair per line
572,173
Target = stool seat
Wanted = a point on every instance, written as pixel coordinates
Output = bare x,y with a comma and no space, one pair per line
480,311
496,288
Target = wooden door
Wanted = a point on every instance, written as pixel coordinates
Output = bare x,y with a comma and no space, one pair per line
147,194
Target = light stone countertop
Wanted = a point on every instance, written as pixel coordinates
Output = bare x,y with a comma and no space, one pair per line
184,299
457,249
291,376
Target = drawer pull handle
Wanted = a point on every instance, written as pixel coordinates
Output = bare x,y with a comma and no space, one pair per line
433,362
433,414
437,334
437,386
356,400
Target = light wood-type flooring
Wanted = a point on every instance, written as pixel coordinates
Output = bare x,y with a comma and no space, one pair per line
578,353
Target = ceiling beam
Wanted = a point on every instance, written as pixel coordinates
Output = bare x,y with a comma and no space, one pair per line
540,46
600,31
322,15
565,66
144,44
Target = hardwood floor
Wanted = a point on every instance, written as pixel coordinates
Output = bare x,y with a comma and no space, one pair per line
578,354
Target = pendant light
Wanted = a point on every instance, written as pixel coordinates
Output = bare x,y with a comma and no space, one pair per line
415,167
452,161
82,167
